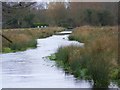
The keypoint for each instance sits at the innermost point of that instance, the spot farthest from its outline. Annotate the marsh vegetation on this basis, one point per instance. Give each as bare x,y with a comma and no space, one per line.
25,38
97,60
95,25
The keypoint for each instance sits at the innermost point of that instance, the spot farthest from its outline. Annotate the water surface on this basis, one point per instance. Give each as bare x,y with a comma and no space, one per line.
30,68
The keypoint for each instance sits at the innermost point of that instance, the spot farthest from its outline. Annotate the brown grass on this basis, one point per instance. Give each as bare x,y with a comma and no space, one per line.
25,38
99,56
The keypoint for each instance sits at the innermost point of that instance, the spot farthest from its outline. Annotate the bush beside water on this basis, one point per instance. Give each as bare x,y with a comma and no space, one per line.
97,60
25,38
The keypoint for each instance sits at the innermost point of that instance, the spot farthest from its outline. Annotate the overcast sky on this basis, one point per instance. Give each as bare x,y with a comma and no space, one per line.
61,0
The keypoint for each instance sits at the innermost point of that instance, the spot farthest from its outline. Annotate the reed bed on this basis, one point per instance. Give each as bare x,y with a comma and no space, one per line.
97,60
25,38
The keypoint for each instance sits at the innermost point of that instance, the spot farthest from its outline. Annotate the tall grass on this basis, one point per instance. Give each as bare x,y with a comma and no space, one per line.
69,58
25,38
102,60
98,59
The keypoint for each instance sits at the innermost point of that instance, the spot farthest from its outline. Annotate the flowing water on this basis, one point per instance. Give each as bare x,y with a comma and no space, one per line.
30,68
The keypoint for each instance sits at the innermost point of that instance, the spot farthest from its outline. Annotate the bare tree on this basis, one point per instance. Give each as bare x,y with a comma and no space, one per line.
57,11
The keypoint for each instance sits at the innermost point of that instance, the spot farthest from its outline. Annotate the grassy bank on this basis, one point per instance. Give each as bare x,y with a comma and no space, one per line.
25,38
97,60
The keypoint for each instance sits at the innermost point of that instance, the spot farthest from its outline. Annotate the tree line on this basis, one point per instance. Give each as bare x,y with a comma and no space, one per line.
65,14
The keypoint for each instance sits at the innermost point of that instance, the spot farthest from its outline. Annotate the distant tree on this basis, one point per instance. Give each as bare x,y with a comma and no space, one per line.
95,13
29,19
13,13
57,12
105,18
66,14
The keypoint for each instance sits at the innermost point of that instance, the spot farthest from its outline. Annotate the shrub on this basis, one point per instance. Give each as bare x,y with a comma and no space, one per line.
97,60
69,58
6,50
